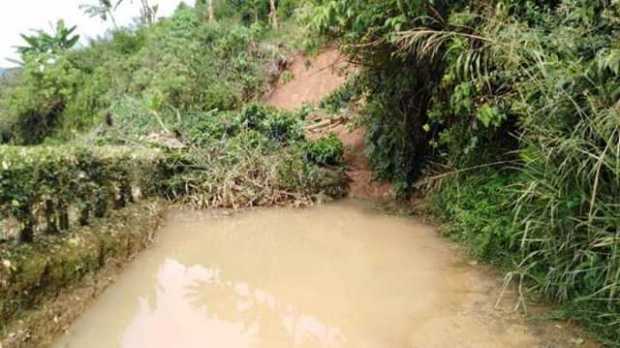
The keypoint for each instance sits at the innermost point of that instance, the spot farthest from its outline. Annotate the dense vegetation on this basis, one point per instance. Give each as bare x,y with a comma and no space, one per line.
177,65
506,111
515,104
39,186
185,84
167,110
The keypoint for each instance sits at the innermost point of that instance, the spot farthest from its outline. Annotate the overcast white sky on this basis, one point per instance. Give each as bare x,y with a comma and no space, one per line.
19,16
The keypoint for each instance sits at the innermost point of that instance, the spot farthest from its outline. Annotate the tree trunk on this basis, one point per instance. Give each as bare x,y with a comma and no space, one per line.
26,235
63,216
148,12
273,14
211,11
51,217
111,16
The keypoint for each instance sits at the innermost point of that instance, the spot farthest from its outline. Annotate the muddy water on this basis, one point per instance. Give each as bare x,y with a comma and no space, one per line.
341,275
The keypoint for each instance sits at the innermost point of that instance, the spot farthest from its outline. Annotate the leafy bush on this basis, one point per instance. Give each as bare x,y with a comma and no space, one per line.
525,85
477,212
282,127
327,151
254,157
341,97
212,126
183,63
39,186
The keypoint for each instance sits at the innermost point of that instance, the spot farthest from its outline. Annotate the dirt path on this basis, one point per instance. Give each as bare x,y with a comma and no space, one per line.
313,80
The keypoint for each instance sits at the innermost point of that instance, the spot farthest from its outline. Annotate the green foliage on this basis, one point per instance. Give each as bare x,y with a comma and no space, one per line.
282,128
36,105
397,102
253,157
341,97
39,186
328,151
104,9
182,63
61,40
278,127
476,211
529,85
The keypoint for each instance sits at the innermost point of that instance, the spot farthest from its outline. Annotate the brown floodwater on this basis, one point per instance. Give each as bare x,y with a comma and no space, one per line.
342,275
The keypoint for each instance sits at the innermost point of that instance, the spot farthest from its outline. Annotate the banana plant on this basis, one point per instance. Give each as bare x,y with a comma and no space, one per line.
62,39
104,9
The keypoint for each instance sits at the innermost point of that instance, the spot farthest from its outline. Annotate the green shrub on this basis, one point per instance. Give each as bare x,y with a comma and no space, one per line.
341,97
327,151
529,87
476,211
212,126
278,126
182,63
283,127
39,186
253,115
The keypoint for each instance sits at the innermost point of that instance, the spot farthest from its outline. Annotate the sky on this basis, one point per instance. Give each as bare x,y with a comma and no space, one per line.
20,16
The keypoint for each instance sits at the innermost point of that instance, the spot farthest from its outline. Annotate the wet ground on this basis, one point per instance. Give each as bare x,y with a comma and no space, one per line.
340,275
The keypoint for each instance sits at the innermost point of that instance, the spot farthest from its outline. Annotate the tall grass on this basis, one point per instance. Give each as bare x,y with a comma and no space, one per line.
532,85
565,200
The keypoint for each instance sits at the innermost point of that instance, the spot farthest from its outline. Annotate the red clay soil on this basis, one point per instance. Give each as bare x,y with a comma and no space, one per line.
362,183
310,84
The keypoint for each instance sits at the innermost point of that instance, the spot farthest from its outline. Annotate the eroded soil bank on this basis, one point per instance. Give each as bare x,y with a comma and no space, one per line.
339,275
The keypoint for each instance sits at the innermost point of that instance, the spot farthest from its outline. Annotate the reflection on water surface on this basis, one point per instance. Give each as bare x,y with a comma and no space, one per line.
336,276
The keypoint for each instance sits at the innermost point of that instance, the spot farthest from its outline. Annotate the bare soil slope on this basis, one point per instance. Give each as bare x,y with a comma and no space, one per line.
313,80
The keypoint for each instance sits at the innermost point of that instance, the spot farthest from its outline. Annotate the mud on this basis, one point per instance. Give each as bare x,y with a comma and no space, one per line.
340,275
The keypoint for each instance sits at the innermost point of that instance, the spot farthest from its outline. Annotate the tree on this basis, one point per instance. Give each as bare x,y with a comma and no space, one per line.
208,4
211,11
63,38
148,12
273,14
104,9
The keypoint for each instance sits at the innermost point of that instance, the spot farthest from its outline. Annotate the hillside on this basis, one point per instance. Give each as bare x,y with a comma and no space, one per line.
497,120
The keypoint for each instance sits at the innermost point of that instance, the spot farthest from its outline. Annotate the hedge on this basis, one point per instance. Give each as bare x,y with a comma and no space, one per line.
44,190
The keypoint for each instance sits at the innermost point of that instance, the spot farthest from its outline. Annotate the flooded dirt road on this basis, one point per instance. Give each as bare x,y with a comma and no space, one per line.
339,275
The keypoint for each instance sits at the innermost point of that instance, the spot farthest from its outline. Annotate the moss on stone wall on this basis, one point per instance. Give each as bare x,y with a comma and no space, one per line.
45,285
